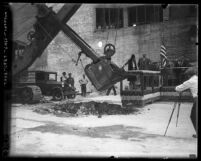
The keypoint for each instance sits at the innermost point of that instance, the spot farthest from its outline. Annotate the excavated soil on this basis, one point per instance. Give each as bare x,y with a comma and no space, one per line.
69,109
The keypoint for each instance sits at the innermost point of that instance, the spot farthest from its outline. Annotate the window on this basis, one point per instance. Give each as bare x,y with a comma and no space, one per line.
132,16
40,76
107,18
18,49
160,14
182,11
149,14
52,76
141,15
192,11
144,14
156,14
100,18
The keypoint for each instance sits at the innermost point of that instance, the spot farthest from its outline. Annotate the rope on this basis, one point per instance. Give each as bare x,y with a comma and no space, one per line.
108,29
107,37
117,26
82,64
115,38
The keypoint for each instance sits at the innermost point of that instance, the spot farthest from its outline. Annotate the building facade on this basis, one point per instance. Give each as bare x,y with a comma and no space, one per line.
133,29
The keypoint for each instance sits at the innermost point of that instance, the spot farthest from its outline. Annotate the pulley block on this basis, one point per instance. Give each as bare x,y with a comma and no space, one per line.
109,50
30,36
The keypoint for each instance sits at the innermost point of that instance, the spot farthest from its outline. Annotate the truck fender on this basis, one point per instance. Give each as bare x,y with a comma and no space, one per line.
57,93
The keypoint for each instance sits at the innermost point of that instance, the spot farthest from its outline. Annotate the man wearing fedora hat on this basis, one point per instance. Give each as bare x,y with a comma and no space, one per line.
192,84
70,81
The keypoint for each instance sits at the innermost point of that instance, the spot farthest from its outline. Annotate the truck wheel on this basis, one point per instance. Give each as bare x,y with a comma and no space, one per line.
73,96
57,94
26,95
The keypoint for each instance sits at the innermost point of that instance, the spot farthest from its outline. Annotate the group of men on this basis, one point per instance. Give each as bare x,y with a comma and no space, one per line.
68,83
143,63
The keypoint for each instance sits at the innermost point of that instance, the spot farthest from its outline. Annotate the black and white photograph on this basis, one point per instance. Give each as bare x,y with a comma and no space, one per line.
106,80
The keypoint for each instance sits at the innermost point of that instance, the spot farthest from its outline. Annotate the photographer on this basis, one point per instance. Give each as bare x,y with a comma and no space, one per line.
192,84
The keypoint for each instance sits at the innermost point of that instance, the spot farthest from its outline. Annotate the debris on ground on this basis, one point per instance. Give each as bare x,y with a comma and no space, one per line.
45,100
69,109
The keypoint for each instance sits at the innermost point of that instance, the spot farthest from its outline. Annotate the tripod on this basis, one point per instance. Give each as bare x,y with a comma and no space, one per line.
179,104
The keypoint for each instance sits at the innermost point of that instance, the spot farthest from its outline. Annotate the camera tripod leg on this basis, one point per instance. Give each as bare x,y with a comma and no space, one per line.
170,117
178,113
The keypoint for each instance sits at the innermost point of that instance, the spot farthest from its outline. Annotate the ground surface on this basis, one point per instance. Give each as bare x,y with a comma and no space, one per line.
140,134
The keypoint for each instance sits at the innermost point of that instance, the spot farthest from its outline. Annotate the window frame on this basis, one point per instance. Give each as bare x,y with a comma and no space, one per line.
54,75
112,18
148,17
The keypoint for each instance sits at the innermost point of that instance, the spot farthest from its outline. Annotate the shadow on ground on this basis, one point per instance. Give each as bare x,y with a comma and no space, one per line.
115,131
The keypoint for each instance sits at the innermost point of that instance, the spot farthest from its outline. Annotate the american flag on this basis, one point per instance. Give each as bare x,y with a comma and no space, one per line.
163,56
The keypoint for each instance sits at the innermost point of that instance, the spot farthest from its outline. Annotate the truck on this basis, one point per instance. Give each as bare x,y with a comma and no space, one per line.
32,84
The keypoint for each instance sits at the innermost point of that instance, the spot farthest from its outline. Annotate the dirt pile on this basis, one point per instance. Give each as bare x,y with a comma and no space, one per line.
85,108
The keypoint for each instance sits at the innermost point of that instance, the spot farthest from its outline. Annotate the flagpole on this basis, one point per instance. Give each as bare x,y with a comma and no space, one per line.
162,43
162,37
